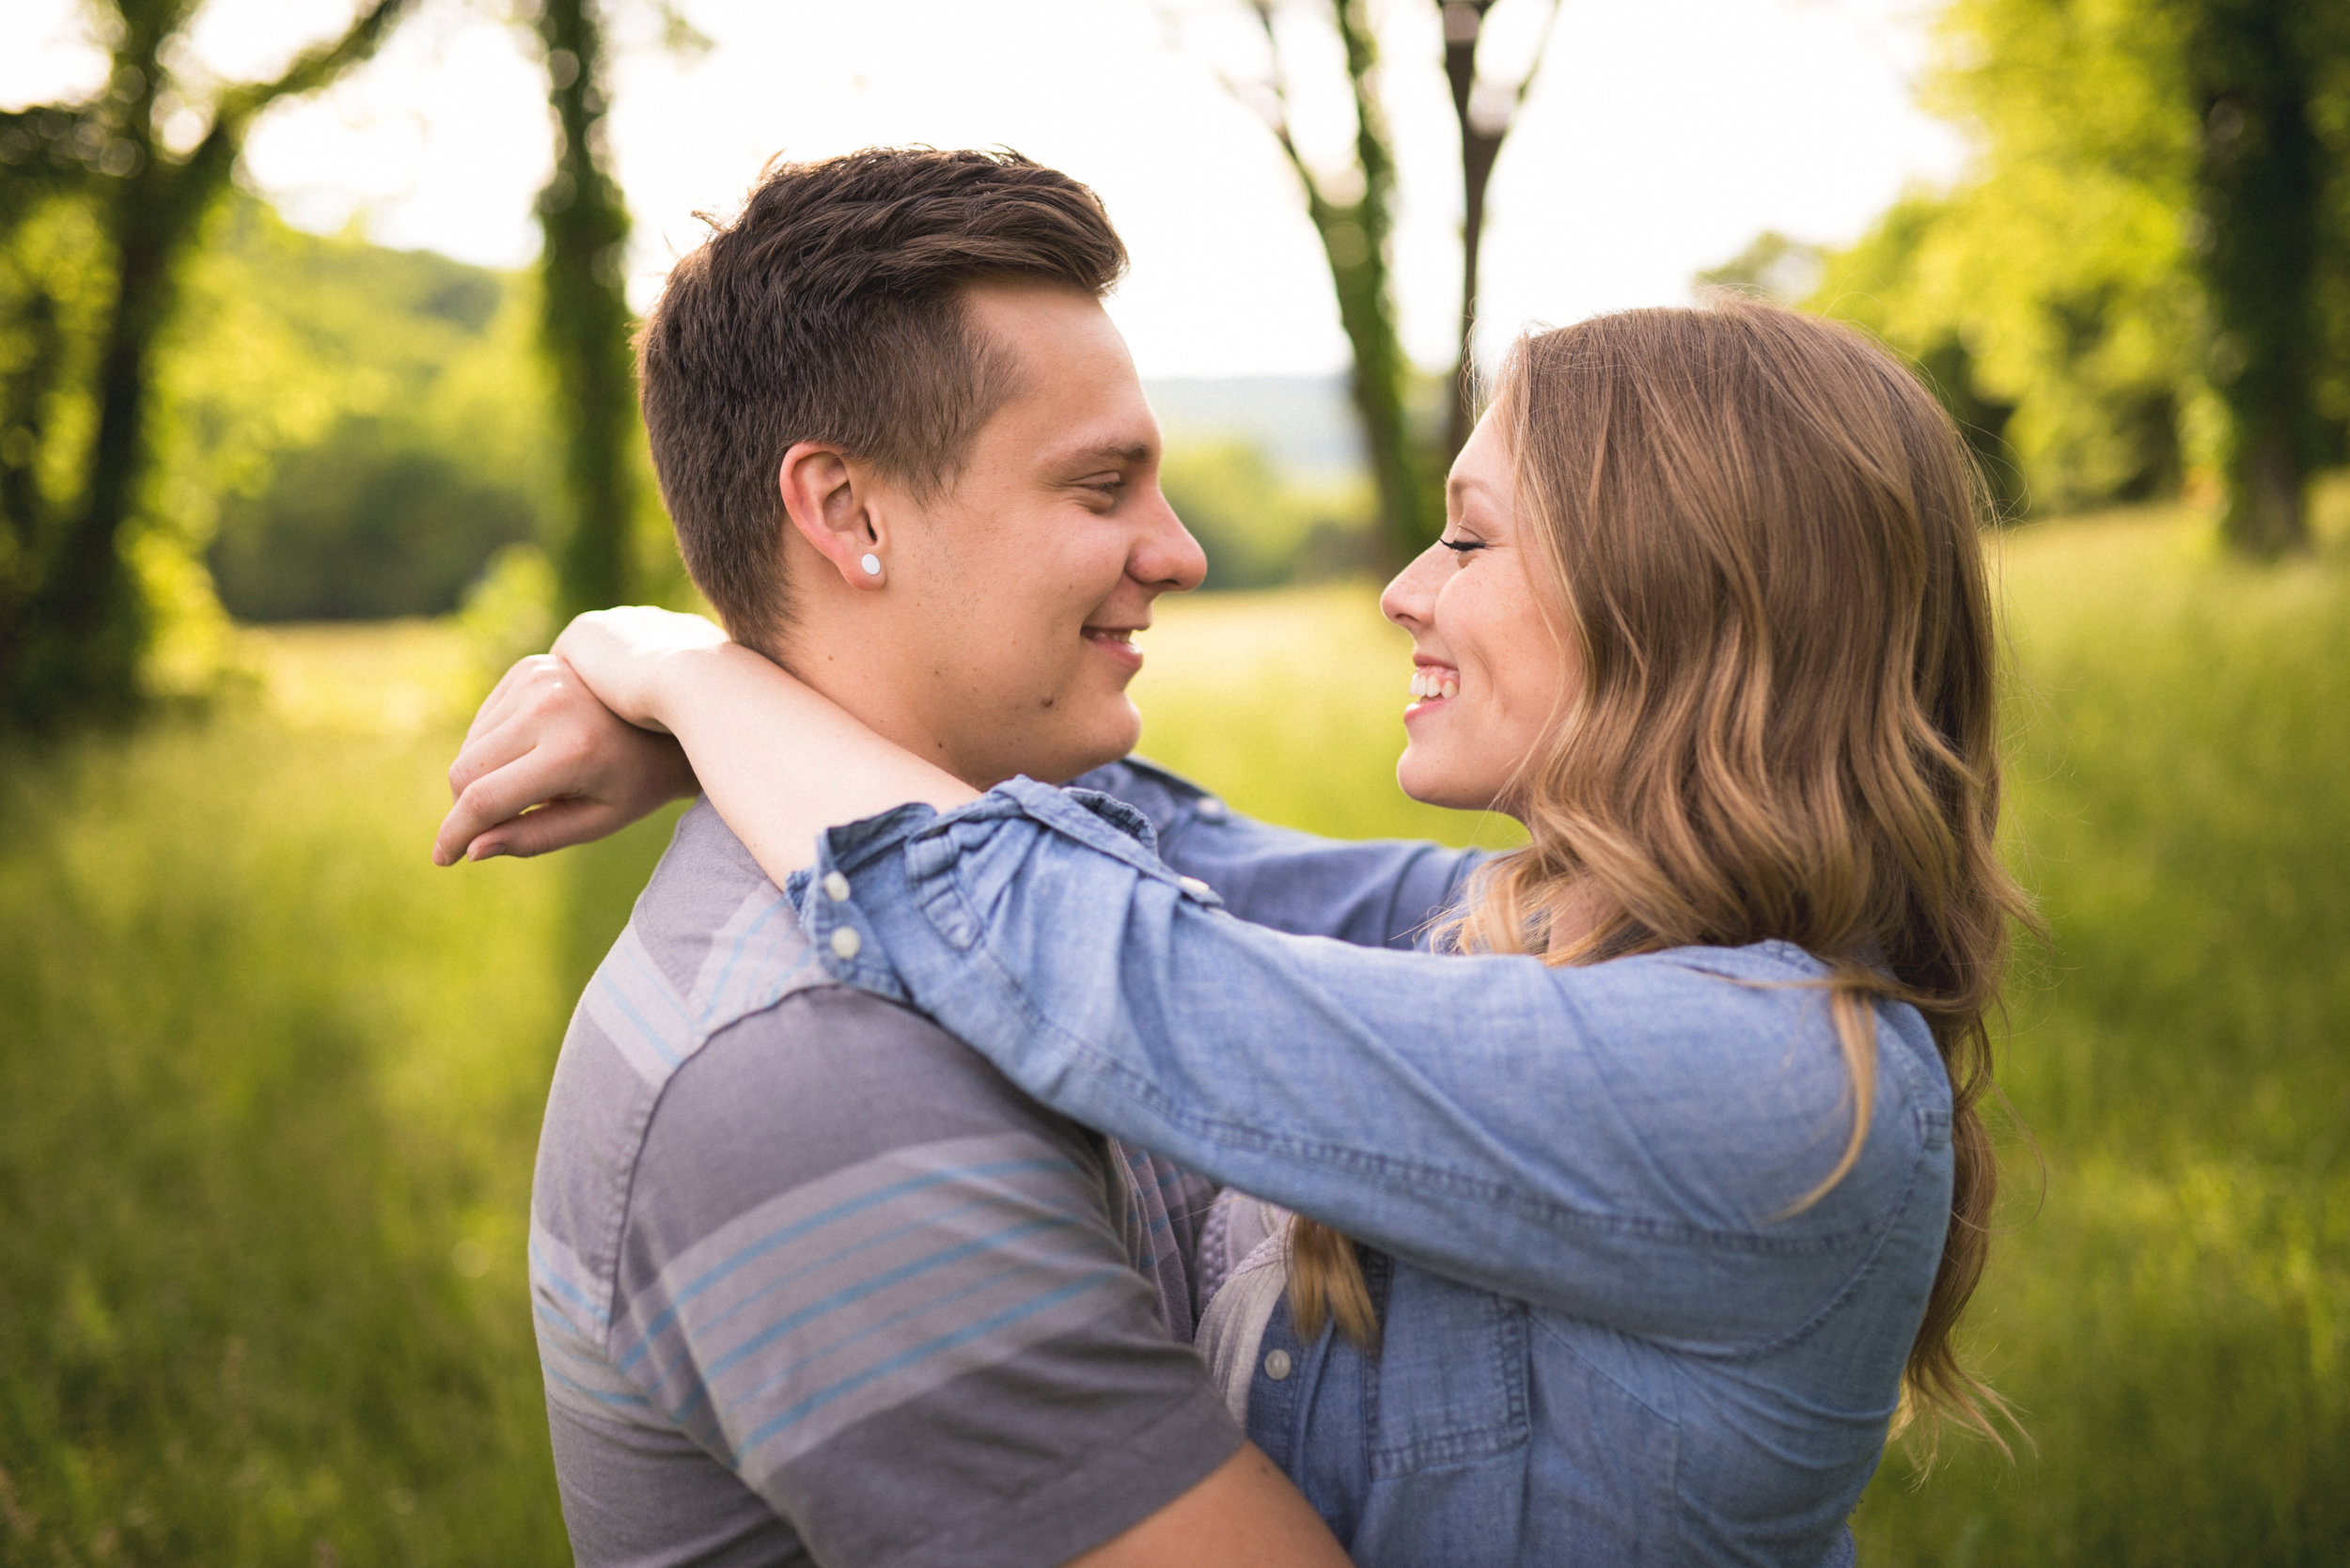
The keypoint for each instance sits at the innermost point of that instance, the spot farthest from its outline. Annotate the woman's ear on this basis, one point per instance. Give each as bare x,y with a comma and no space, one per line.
829,497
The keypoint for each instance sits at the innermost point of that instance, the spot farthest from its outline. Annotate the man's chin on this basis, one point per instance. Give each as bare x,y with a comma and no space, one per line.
1096,745
1068,750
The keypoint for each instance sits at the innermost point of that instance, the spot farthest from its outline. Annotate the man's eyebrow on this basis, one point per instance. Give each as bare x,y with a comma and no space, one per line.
1121,454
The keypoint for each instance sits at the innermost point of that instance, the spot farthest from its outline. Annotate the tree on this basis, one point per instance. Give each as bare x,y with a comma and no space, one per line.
585,324
2254,73
2138,270
73,620
1484,110
1353,212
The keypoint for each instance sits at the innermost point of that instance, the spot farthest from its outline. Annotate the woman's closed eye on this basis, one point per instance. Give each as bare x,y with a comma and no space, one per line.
1463,545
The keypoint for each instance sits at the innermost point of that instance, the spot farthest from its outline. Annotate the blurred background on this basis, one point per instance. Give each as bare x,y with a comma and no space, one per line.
315,411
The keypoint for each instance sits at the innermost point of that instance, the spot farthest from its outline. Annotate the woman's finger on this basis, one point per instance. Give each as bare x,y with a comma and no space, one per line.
516,737
496,706
549,828
495,797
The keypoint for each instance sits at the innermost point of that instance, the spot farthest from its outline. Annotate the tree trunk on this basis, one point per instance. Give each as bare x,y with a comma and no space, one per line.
1376,382
2262,180
1481,149
586,326
75,651
1355,237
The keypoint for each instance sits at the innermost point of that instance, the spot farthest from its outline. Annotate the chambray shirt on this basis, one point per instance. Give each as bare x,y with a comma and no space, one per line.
1605,1338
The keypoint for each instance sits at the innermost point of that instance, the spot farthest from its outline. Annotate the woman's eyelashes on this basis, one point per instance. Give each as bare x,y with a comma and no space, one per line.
1462,545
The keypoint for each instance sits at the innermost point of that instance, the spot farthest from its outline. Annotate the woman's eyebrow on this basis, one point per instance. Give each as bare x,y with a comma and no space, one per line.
1458,487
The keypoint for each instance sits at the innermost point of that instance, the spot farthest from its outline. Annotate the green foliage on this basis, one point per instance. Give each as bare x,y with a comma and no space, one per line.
360,527
2073,298
356,429
92,569
1259,530
52,307
269,1084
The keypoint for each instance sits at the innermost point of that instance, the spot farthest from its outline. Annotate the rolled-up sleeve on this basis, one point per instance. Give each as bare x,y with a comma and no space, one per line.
1621,1141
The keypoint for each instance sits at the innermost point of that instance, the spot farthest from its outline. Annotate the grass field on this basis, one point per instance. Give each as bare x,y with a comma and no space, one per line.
270,1084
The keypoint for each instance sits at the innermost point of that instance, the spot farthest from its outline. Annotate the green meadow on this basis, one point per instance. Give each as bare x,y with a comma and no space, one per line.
270,1083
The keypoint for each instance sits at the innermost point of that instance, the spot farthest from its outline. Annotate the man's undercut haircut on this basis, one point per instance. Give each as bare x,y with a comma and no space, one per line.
831,309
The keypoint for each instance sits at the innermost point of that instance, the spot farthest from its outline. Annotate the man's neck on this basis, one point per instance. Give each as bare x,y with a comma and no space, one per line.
857,674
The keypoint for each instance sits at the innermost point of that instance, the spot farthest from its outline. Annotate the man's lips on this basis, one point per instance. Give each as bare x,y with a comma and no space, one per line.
1117,642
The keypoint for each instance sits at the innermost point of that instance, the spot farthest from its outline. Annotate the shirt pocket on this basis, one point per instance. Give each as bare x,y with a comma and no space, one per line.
1449,1383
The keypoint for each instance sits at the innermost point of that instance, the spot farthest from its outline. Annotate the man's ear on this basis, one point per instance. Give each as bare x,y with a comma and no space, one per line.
830,498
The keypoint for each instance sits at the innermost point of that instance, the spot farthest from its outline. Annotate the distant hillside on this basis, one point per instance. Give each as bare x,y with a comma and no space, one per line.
1302,423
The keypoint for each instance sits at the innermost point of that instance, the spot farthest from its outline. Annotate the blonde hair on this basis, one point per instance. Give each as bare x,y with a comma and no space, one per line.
1757,536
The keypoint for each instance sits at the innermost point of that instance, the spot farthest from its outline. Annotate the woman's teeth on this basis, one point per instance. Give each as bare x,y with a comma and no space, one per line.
1427,683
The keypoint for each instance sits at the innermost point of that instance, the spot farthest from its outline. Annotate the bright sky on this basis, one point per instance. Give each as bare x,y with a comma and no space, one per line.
1661,136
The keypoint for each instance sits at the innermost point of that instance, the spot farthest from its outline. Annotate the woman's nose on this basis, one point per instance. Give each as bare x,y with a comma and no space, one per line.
1410,599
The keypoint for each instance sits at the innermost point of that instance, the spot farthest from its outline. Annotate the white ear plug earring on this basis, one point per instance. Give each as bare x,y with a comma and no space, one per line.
871,564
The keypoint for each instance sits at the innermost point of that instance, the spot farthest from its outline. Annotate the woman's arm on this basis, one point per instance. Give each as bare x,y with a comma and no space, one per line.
780,762
1620,1142
555,768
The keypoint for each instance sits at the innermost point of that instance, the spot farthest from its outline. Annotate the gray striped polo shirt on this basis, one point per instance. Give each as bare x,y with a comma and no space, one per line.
814,1283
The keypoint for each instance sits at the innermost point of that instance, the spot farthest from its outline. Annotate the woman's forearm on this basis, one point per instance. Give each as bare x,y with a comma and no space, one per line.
781,762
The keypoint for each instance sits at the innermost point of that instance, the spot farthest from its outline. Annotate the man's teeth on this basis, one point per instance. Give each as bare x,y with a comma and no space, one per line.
1428,684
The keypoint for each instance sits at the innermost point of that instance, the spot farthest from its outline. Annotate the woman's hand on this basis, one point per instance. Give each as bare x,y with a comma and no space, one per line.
546,765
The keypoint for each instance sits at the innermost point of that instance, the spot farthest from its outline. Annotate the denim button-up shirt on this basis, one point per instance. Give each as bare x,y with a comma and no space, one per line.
1605,1338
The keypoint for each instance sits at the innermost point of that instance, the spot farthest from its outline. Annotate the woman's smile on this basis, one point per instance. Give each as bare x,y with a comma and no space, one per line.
1431,682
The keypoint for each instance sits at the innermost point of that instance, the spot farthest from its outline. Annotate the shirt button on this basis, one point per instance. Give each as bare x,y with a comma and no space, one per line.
1277,1365
1211,808
1193,885
835,887
845,942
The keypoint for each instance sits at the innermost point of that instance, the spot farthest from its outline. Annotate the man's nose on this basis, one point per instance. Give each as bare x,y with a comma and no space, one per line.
1409,600
1166,557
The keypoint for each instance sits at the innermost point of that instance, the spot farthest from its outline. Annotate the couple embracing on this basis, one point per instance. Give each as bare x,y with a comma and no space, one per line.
984,1148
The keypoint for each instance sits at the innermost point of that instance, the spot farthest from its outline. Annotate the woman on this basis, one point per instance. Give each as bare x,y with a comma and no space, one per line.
1666,1176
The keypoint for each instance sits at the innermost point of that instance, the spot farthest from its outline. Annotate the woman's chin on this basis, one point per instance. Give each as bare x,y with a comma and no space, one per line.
1431,784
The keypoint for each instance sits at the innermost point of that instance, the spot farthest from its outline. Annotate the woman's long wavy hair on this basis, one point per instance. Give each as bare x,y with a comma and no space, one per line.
1757,537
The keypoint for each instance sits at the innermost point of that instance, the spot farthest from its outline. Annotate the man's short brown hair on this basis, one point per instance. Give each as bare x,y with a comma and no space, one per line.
830,311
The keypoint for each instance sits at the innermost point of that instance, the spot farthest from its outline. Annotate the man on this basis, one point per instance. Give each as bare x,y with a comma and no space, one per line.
813,1283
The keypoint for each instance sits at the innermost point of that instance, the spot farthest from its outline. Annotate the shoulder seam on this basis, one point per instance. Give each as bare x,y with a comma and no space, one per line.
644,1135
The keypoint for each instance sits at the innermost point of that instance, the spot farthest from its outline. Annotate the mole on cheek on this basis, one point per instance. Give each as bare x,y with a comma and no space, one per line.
1046,703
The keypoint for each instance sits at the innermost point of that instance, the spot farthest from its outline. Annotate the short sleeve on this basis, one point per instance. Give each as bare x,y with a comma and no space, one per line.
889,1293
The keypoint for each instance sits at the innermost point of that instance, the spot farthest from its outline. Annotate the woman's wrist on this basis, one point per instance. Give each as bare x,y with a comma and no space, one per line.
664,699
639,661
